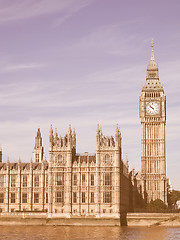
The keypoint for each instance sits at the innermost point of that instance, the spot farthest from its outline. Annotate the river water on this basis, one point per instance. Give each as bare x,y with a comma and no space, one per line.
88,233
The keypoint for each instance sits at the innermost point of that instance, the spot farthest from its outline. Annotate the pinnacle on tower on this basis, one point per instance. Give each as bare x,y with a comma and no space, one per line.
117,136
152,69
152,63
38,139
69,130
51,134
38,149
74,133
98,130
51,130
127,161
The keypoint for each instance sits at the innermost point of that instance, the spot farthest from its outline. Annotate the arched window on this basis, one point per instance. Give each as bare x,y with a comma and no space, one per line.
60,158
107,157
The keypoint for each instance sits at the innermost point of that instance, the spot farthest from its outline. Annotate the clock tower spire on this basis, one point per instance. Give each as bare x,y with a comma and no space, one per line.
152,110
152,60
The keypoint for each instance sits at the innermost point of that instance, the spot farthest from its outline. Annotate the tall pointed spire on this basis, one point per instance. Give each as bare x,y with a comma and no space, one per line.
152,63
152,50
152,72
38,149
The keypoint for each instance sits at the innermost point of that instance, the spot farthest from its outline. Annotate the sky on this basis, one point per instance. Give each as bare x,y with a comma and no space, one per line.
82,63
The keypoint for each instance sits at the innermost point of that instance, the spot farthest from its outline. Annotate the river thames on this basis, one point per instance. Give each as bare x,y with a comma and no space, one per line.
88,233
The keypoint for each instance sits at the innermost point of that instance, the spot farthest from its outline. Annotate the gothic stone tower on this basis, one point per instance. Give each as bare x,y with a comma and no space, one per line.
152,109
61,154
38,149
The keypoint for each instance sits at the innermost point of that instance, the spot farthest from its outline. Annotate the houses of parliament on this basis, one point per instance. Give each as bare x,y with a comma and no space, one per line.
100,185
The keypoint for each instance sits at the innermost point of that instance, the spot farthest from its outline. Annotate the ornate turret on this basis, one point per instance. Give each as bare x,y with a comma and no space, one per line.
97,137
57,142
74,138
70,136
106,141
152,74
38,149
117,137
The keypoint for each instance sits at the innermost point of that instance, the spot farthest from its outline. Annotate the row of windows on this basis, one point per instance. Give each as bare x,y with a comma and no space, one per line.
60,158
152,94
60,179
106,197
83,197
107,180
83,178
24,198
24,181
59,197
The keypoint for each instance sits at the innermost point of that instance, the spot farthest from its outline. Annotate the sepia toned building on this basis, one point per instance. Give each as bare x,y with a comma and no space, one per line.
152,109
100,185
69,184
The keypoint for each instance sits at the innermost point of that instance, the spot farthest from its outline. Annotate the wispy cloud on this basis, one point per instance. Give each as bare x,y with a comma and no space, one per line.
16,67
23,9
71,11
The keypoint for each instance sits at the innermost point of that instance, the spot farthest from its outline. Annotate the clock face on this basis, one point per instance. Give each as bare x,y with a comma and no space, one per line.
152,108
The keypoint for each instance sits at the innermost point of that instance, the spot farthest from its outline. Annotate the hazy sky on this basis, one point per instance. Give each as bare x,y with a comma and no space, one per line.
84,62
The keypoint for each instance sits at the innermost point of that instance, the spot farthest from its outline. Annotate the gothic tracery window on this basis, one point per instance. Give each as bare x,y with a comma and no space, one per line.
24,198
107,197
36,181
59,179
59,197
83,197
75,179
60,158
36,197
83,179
1,197
107,179
13,180
13,197
24,180
92,197
107,158
74,197
92,179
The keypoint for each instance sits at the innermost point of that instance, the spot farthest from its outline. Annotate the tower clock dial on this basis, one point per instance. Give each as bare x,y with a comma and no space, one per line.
152,108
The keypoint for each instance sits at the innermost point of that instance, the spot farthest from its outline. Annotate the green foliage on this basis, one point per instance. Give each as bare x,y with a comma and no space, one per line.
156,206
173,197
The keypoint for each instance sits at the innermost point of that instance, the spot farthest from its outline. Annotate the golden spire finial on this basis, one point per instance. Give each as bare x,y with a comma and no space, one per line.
152,50
152,43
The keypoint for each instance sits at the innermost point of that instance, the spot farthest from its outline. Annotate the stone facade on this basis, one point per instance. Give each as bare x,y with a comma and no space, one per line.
69,184
99,185
152,108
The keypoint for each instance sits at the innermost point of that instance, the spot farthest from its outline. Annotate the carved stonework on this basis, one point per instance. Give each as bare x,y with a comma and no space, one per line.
152,107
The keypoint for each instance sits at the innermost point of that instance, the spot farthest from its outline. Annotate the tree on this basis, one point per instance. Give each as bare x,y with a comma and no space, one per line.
173,197
156,206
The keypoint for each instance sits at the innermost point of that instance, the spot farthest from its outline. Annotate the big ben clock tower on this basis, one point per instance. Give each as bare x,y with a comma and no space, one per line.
152,109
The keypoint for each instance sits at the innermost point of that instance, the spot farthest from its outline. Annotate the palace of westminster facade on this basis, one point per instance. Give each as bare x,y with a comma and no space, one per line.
98,185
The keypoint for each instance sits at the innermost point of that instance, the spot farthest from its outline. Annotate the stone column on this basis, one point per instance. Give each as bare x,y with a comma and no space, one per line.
68,184
98,180
6,197
31,185
117,183
50,186
19,185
